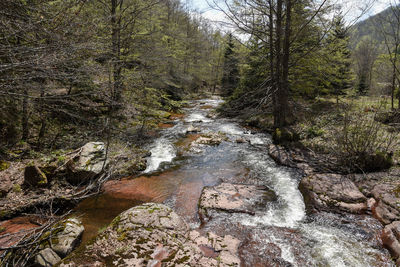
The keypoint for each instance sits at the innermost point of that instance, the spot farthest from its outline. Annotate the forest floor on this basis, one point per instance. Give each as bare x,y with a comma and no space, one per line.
56,194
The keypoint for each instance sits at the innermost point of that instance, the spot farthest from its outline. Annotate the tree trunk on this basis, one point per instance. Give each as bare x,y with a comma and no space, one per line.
116,64
278,67
25,116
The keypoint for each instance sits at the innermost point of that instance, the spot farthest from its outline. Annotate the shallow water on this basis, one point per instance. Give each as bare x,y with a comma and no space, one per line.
176,176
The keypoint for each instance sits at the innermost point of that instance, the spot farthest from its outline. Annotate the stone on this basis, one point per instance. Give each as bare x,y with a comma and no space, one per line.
33,176
280,155
238,198
192,129
391,237
387,206
330,192
67,239
89,161
154,235
241,140
15,229
47,258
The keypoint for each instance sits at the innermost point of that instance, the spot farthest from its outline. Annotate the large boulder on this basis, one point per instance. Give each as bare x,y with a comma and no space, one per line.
89,161
387,206
67,237
391,239
331,192
154,235
47,258
34,176
238,198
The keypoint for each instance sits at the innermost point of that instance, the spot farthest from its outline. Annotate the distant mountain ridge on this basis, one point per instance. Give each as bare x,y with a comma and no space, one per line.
372,27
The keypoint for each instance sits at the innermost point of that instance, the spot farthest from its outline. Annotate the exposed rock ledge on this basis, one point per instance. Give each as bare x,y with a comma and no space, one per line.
154,235
239,198
332,192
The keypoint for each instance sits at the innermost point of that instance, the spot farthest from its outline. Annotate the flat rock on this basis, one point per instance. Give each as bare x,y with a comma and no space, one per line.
154,235
332,192
387,206
239,198
47,258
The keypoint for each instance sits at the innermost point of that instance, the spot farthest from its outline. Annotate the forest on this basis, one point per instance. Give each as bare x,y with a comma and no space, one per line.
146,133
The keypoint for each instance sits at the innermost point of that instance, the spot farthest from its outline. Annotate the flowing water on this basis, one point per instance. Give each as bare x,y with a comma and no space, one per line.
176,176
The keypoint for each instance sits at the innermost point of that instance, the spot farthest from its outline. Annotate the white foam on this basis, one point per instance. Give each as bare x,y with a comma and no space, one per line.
162,151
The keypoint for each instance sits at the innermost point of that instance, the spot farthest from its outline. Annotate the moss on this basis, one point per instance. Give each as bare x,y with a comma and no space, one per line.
122,237
4,213
285,135
4,165
17,188
116,221
2,229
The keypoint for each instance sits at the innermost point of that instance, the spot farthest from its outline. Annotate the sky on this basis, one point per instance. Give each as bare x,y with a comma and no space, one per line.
353,8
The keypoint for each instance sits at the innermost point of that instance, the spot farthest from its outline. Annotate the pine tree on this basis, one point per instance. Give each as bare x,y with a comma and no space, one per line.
230,77
339,57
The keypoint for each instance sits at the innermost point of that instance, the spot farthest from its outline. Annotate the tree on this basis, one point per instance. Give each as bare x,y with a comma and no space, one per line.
230,76
365,56
339,56
389,27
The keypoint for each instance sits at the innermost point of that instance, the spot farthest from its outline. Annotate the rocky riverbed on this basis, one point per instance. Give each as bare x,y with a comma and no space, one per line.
218,194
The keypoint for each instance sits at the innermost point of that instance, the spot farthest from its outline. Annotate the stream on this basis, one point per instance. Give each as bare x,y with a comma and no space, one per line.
281,234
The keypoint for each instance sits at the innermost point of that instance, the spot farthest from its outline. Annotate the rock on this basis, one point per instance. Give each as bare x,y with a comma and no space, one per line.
87,163
387,195
13,230
192,129
234,198
33,176
331,192
241,140
154,235
212,139
391,237
280,155
67,239
47,258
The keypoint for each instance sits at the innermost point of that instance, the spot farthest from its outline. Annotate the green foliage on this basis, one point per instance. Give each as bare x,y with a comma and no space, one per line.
230,76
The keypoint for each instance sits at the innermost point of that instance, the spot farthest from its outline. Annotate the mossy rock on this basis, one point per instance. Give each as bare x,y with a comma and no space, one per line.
34,176
285,135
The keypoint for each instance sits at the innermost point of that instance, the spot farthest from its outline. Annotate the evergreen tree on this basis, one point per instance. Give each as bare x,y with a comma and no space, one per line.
230,77
338,53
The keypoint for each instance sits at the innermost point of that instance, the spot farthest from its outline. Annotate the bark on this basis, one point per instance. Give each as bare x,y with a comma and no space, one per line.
25,115
116,51
278,67
281,105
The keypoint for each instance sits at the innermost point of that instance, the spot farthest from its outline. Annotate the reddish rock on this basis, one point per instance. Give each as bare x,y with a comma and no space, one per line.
234,198
154,235
280,155
332,192
12,231
387,208
391,237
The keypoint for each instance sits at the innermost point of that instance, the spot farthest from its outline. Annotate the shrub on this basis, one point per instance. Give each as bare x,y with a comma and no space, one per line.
363,144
